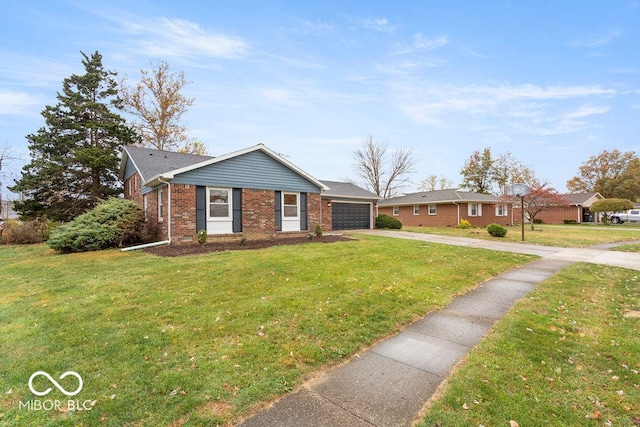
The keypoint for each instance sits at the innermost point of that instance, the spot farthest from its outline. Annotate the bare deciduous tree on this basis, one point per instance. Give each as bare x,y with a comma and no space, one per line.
158,105
382,175
435,182
5,154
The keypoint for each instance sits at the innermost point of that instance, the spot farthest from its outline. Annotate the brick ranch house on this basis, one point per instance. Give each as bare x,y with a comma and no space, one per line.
576,209
254,192
446,208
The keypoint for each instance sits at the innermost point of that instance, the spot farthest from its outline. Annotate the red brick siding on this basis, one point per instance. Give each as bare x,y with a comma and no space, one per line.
327,212
314,214
133,191
183,213
258,213
556,215
446,215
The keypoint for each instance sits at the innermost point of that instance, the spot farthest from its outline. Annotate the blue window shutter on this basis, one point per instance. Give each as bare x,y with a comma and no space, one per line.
237,210
303,211
201,208
278,210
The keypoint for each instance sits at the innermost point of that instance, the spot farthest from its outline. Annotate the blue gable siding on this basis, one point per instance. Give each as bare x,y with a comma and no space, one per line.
251,170
129,169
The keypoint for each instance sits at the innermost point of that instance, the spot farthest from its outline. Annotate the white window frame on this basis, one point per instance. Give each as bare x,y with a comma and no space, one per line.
432,209
160,205
145,205
229,204
475,209
501,210
396,210
416,209
284,206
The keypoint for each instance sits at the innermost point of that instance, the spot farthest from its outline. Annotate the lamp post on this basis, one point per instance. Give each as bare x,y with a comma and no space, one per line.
519,190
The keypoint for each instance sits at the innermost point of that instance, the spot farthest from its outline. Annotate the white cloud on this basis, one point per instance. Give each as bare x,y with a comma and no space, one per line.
564,127
16,103
521,104
279,96
164,37
307,28
584,111
378,24
596,41
421,43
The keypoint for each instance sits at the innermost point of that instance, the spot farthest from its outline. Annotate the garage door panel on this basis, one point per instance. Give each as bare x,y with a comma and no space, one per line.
351,216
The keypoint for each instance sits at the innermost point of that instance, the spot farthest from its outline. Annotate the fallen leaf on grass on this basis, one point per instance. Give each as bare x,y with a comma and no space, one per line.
595,415
514,423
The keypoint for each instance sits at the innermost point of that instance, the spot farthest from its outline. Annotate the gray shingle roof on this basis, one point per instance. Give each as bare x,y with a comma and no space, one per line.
438,196
151,163
346,189
579,198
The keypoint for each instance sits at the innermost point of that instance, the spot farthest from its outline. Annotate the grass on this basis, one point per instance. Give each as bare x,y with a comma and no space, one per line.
204,340
571,236
566,355
628,248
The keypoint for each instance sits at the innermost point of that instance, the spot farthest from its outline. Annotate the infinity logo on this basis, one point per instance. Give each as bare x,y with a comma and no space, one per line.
55,383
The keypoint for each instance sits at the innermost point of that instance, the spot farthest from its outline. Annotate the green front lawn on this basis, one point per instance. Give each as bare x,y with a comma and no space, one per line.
204,340
569,236
566,355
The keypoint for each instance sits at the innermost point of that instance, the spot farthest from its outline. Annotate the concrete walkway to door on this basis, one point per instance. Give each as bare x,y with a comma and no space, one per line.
389,384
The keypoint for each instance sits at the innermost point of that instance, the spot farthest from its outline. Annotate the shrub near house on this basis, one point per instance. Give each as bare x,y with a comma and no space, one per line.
110,224
385,221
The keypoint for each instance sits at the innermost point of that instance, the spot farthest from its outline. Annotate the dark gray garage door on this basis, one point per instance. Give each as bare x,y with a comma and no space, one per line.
350,216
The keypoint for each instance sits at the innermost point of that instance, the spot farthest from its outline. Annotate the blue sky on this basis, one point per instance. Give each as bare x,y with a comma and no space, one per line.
551,82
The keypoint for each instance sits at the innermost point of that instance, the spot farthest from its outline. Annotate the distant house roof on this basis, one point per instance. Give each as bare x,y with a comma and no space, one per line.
347,190
582,199
439,196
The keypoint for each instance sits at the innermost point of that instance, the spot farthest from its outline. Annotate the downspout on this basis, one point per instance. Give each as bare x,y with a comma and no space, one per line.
168,207
146,245
321,206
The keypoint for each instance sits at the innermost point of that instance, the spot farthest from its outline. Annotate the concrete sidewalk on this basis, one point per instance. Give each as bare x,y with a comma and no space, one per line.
389,384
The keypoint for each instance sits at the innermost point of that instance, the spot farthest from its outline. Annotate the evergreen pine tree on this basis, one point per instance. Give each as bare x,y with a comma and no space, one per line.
75,156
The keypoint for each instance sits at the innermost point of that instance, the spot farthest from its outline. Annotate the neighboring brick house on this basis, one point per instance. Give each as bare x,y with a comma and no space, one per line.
576,209
254,192
446,208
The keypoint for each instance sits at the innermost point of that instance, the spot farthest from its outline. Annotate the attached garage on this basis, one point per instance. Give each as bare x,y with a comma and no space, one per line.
351,216
348,207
